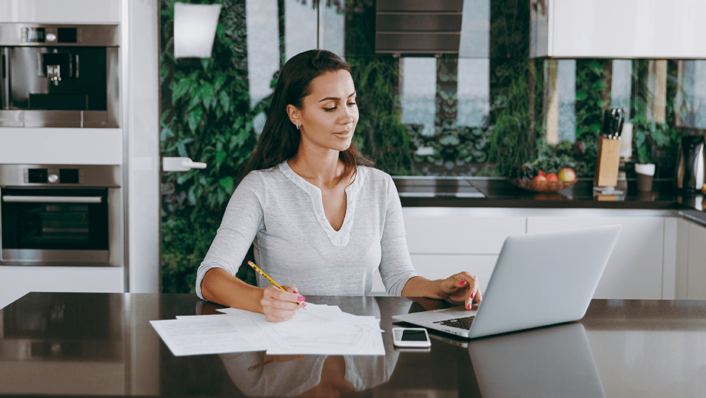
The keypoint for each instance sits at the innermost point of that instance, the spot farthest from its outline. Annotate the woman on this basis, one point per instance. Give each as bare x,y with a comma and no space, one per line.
319,216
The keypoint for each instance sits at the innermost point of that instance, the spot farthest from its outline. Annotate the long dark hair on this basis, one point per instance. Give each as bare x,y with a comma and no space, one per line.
280,139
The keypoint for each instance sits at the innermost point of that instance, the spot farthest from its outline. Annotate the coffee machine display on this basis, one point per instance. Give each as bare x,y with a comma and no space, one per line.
59,75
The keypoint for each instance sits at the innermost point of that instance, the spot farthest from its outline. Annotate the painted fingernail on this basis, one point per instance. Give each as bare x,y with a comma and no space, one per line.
462,283
468,306
472,295
301,298
295,292
303,304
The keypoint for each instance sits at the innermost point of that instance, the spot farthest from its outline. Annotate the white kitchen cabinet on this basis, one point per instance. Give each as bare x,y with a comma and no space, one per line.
458,231
657,256
634,270
445,241
696,269
18,281
653,29
681,260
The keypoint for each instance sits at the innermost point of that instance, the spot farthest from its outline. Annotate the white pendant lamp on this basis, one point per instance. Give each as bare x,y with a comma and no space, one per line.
195,29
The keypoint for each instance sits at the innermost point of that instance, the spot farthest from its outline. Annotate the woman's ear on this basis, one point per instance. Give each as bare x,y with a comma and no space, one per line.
293,114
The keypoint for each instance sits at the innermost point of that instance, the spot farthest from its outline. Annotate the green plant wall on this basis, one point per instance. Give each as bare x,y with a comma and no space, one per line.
206,116
380,133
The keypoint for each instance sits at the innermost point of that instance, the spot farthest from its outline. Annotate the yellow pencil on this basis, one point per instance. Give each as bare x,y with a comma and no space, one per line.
256,268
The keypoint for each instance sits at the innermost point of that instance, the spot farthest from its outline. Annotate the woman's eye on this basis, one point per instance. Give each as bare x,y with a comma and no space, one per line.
335,107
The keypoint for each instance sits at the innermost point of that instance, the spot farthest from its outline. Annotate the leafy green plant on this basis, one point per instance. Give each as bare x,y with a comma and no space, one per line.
380,133
592,96
514,87
512,129
552,158
655,142
206,116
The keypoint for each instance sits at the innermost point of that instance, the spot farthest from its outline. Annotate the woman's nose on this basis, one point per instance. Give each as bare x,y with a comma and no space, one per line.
348,116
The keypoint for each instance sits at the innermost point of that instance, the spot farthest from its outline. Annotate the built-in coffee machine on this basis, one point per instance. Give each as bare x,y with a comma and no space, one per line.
59,75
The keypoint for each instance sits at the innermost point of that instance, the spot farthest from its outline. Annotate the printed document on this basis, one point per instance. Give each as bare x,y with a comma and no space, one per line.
320,330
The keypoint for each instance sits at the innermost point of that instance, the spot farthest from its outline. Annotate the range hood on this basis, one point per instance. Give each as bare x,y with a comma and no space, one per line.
418,27
654,29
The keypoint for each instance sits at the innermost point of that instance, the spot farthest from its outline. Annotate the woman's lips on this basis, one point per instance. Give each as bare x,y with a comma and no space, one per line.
344,134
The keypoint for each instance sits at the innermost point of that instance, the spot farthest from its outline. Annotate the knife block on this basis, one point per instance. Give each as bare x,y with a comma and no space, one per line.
607,163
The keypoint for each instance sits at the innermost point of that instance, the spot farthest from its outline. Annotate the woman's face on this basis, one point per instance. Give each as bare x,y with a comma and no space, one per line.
329,114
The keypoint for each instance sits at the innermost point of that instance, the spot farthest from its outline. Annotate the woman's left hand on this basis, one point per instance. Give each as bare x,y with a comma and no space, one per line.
462,287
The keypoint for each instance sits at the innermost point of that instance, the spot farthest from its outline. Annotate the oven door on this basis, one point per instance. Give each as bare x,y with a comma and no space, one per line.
55,226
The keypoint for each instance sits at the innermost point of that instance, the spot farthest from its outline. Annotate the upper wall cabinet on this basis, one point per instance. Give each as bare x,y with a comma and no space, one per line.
61,11
657,29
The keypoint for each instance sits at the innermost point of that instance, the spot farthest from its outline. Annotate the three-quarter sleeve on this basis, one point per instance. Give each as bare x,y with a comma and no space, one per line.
395,265
242,220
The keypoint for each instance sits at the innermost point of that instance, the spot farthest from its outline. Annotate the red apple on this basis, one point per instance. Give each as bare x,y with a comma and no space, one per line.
539,178
567,174
552,177
541,173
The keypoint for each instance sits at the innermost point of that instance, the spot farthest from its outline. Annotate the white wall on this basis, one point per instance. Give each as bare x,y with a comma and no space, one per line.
60,11
140,94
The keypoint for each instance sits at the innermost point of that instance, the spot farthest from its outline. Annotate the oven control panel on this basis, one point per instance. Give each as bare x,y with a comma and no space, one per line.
44,175
54,176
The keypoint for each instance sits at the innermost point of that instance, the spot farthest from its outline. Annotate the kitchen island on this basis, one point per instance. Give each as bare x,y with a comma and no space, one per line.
101,344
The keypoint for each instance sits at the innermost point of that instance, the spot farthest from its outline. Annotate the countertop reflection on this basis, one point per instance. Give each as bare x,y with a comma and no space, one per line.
102,344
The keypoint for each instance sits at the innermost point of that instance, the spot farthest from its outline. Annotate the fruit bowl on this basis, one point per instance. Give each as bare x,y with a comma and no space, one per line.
541,186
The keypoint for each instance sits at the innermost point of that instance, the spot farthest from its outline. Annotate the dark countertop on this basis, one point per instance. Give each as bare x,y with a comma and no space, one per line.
98,344
499,193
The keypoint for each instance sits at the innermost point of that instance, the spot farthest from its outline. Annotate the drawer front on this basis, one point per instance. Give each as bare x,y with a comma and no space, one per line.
458,234
696,289
634,270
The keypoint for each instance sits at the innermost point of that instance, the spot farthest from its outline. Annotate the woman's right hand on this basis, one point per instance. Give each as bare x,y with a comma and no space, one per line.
279,306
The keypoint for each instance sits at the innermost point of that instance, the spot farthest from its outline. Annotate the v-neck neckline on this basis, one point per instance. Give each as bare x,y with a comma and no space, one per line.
342,236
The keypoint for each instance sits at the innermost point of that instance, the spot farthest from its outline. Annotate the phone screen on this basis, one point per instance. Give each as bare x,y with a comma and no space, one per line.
414,335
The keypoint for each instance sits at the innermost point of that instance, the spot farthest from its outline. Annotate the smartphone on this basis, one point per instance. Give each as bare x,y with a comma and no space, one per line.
410,337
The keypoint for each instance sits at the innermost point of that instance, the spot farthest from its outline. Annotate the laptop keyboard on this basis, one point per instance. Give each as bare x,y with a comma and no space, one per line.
461,323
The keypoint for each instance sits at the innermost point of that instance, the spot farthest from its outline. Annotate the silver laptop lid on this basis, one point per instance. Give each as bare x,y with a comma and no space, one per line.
544,279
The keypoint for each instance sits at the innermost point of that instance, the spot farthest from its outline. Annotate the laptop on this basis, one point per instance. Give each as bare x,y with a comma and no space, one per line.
539,280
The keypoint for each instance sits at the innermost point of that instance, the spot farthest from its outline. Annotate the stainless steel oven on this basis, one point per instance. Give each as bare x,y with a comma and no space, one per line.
60,215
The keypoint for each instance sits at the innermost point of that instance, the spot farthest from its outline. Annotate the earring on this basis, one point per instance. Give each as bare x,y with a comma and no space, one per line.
297,126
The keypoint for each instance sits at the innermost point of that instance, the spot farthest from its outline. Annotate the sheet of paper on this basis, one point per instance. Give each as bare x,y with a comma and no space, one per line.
211,335
341,338
249,330
320,330
313,316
